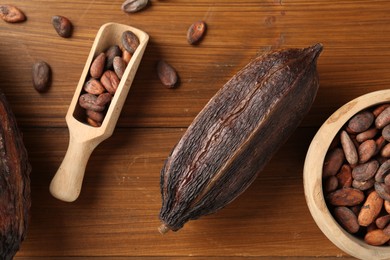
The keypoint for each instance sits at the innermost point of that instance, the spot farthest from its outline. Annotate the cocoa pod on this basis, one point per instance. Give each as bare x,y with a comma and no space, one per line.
15,197
376,237
370,209
347,219
366,135
11,14
361,121
62,25
97,66
236,134
345,197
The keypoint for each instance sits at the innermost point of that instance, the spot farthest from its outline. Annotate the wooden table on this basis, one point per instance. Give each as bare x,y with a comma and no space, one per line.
116,215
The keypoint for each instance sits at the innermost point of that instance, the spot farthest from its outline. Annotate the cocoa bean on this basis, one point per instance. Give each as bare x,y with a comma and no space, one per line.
382,221
349,148
333,161
103,99
126,56
345,197
11,14
370,209
385,152
367,150
344,176
383,170
379,109
133,6
88,101
93,86
97,67
41,76
386,205
331,184
361,121
110,81
386,133
383,118
363,185
382,190
365,171
167,74
130,41
111,53
376,237
119,66
387,180
196,32
93,123
94,115
366,135
62,25
347,219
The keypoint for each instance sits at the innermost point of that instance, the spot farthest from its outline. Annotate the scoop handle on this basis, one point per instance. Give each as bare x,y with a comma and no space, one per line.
66,183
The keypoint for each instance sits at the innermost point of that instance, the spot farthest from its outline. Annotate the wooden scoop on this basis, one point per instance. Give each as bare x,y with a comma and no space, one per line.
66,184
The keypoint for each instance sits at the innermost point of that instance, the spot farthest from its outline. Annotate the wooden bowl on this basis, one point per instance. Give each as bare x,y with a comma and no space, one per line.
312,179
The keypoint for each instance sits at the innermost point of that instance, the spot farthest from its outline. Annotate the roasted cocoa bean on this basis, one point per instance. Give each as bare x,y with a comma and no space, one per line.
41,76
97,67
196,32
103,99
347,219
110,81
93,86
361,121
366,150
88,101
345,197
167,74
119,66
365,171
62,25
333,161
370,209
349,148
383,119
133,6
11,14
363,185
111,53
376,237
366,135
130,41
344,176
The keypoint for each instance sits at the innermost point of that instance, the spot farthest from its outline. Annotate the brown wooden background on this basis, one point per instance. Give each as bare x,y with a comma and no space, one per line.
116,216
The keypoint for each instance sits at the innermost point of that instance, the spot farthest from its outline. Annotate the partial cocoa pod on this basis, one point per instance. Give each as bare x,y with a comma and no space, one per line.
383,118
97,67
233,137
41,76
196,32
361,121
133,6
344,176
366,150
110,81
62,25
88,102
167,74
93,86
130,41
11,14
345,197
370,209
376,237
365,171
349,148
347,219
15,197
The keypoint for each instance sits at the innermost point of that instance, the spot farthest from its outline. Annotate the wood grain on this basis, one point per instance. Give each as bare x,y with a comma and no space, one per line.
116,214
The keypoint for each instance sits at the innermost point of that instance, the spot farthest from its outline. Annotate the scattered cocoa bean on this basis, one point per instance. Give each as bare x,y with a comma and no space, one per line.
168,75
62,25
130,41
370,209
97,66
133,6
41,76
346,218
11,14
196,32
349,148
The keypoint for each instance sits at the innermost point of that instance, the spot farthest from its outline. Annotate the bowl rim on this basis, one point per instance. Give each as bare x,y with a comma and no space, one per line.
312,178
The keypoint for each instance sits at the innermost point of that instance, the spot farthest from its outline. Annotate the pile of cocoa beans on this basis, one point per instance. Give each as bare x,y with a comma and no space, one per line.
104,77
356,179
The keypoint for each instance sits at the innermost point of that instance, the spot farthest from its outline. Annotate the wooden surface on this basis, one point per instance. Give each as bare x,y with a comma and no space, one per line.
116,215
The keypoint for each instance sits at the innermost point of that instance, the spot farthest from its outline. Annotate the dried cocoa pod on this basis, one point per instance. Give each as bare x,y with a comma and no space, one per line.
236,134
15,198
346,218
